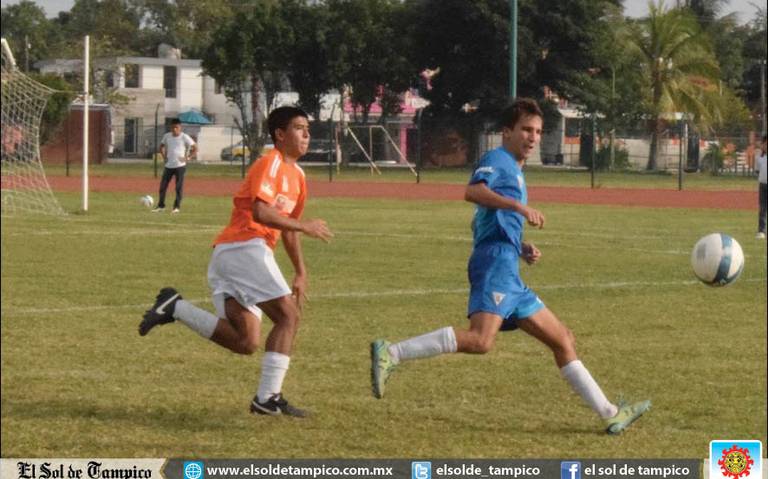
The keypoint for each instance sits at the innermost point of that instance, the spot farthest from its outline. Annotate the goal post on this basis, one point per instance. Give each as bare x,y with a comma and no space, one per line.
24,185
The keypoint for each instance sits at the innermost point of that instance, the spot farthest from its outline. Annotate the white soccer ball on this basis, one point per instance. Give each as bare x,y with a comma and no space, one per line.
147,201
717,259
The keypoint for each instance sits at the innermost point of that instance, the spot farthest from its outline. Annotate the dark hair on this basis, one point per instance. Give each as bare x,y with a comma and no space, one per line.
520,107
175,121
281,117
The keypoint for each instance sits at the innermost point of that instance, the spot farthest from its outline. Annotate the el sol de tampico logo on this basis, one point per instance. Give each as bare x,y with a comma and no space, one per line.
735,459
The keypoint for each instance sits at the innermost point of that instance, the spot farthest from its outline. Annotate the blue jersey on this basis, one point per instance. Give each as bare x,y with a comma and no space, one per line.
494,278
499,170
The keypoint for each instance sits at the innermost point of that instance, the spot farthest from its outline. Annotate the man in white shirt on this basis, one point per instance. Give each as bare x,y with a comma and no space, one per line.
176,147
761,178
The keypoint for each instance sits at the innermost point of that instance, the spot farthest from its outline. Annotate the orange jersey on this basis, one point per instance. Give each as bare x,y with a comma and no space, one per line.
273,181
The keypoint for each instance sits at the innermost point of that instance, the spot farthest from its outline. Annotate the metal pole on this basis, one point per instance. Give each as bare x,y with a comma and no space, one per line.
762,93
418,145
331,148
154,153
86,74
613,118
592,152
683,129
26,53
513,48
66,132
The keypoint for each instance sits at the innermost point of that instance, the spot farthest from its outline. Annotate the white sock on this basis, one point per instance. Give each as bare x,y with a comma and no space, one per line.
273,369
586,387
197,319
441,341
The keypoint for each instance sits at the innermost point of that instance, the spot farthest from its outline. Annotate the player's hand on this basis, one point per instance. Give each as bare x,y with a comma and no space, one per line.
299,290
531,254
317,229
535,217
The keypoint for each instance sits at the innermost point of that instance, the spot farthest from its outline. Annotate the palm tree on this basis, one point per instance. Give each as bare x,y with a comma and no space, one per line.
679,66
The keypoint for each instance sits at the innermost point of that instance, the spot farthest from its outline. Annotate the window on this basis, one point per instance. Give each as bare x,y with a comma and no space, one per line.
216,87
131,136
131,75
169,81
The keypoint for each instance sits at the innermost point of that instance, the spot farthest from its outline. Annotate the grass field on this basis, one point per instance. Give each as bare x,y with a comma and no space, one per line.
78,381
538,176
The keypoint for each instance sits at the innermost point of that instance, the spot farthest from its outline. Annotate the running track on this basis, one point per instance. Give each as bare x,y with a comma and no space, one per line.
655,198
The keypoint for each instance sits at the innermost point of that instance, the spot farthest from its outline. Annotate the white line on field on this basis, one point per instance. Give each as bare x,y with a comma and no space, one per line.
372,294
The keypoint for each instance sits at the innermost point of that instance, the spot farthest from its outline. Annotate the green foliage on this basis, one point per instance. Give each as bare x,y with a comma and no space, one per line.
57,108
713,159
619,278
26,22
603,158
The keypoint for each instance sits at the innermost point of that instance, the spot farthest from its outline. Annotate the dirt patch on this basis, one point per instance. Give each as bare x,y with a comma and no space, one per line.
735,200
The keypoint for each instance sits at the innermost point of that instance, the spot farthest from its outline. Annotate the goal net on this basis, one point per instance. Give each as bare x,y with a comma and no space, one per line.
24,186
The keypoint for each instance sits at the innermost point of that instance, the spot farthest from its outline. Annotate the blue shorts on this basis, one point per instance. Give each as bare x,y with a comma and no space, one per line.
496,287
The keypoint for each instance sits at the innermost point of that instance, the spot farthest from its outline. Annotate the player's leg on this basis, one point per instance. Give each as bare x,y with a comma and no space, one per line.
269,399
164,181
547,328
763,210
180,174
478,339
233,327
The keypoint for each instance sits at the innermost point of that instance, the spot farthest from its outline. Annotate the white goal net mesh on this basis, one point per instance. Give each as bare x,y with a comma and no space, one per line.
24,186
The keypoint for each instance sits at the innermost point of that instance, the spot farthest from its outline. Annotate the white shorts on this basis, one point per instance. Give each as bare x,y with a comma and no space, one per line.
247,272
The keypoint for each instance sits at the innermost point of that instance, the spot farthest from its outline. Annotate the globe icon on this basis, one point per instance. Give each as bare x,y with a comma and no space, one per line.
193,470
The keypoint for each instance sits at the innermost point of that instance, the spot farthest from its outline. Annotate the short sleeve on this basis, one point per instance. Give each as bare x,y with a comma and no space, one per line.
262,179
188,140
486,172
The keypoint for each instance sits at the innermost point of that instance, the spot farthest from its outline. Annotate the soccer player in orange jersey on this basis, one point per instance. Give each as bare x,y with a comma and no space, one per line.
243,276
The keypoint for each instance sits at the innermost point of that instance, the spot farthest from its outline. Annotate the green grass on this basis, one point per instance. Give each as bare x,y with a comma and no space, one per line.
537,176
78,381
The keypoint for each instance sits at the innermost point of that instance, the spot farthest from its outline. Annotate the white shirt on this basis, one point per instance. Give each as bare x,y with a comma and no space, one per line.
176,148
761,168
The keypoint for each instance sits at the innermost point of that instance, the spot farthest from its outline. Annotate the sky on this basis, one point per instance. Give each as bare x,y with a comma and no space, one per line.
634,8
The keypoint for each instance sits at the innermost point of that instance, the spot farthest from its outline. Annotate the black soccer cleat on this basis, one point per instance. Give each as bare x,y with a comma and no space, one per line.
161,312
276,406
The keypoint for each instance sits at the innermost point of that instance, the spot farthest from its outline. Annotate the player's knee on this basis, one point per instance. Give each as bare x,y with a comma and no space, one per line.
567,342
247,347
484,344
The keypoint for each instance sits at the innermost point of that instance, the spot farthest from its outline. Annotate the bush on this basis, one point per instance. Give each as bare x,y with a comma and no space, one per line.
713,159
603,158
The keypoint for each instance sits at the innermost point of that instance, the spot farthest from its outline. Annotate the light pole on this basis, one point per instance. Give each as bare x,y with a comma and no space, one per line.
512,49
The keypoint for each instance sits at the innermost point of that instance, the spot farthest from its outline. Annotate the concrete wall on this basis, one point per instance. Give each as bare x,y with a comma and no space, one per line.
216,104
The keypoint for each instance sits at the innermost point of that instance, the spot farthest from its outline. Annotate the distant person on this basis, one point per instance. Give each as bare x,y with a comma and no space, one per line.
177,148
243,276
761,174
498,298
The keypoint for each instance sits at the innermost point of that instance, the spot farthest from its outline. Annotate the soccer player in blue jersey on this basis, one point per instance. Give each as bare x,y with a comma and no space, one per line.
498,298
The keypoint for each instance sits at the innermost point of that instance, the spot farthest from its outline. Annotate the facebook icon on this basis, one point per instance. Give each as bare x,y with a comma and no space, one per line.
421,470
570,470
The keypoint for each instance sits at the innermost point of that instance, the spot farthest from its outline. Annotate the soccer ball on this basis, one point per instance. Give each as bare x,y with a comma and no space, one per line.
717,259
147,201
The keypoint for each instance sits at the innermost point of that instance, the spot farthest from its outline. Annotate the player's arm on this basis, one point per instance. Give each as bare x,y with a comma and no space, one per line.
162,150
271,217
292,245
479,194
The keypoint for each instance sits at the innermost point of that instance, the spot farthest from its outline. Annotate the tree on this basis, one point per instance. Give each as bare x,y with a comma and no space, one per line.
308,66
366,43
679,67
248,59
185,24
27,30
